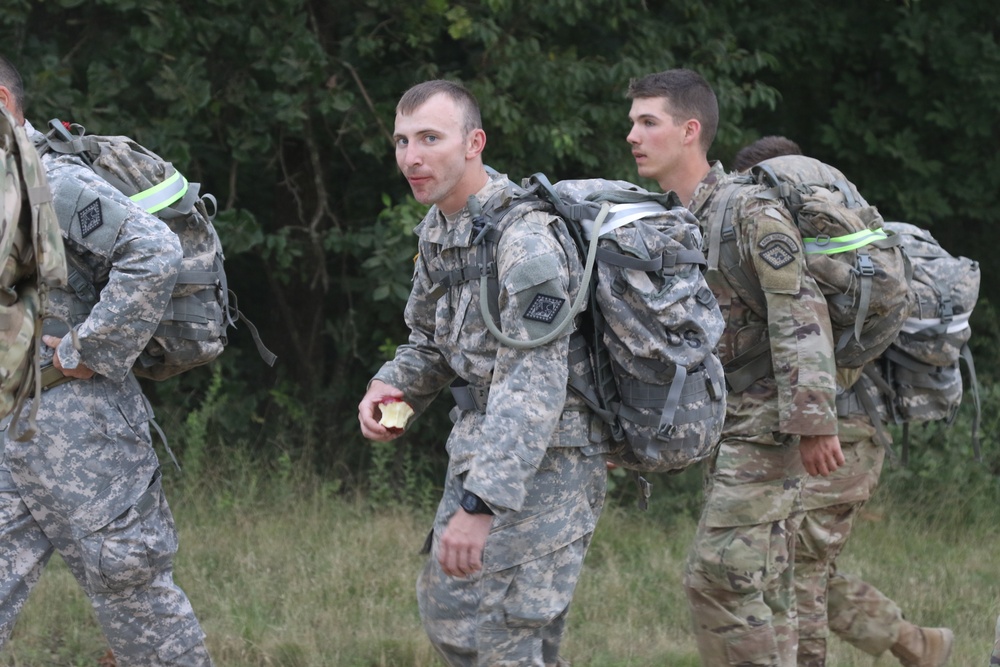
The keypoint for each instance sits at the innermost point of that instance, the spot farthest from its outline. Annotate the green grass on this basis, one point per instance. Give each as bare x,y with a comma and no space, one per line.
288,574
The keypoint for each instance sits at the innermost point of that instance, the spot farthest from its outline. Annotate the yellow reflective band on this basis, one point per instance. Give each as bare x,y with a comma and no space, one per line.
162,195
831,246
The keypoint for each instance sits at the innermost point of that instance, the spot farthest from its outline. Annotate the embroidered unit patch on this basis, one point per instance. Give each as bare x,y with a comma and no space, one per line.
544,308
90,217
778,249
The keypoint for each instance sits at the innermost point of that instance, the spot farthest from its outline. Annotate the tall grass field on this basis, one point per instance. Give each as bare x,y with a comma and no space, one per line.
286,573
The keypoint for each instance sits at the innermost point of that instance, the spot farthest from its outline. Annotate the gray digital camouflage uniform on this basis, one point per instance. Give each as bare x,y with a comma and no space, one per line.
995,658
738,577
88,483
530,454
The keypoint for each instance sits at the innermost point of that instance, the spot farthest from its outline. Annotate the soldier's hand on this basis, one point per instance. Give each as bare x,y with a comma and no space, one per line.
462,543
369,411
81,372
821,454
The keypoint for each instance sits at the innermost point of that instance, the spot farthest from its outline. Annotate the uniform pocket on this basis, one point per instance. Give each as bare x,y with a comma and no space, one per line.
132,548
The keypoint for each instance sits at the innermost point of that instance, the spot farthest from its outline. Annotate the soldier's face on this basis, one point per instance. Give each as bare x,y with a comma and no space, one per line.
434,154
657,140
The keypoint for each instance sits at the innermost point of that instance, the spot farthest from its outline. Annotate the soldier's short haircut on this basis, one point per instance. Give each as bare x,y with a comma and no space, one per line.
764,149
420,93
11,79
687,95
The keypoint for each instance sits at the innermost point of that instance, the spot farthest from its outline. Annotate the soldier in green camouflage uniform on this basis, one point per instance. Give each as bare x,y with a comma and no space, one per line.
739,576
526,481
827,599
87,484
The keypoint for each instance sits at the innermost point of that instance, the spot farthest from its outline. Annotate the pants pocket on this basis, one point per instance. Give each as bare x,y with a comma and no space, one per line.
131,549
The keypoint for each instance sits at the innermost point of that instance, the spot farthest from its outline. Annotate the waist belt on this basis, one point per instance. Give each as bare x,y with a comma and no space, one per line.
470,397
53,377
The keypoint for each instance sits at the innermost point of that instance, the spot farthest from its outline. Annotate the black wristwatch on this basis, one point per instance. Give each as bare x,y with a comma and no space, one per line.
473,504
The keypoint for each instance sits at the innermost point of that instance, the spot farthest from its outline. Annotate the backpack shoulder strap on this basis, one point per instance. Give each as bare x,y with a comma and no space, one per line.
723,252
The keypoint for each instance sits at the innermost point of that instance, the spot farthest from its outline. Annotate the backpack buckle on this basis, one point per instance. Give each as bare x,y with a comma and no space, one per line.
865,265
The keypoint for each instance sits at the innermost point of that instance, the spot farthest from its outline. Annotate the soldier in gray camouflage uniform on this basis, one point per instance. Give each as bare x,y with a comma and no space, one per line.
827,599
995,658
87,484
526,481
738,576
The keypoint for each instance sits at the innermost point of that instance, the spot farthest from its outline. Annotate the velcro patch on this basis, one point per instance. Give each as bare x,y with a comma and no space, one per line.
778,249
90,217
544,308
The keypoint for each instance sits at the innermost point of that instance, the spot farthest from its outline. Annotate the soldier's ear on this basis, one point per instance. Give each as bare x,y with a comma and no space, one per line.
8,100
475,143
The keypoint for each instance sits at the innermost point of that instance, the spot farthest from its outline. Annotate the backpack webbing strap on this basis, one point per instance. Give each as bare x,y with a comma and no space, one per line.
665,263
589,386
857,400
966,355
723,253
751,365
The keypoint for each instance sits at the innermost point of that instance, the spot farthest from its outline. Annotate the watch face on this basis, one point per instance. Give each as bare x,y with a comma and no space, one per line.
474,505
470,503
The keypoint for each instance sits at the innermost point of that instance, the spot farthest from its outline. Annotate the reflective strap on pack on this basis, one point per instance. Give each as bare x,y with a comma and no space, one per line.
935,326
619,215
162,195
826,245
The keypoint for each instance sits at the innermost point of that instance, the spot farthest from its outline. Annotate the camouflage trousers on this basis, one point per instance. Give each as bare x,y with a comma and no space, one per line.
995,658
125,569
513,613
854,610
738,576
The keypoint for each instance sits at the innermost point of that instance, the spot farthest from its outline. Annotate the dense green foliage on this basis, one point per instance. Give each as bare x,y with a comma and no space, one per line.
284,110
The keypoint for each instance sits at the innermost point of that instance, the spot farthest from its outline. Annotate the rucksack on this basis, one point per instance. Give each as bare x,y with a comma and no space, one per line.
921,366
32,261
856,262
193,328
644,358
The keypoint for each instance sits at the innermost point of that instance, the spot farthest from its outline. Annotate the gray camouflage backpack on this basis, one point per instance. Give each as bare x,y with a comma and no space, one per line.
644,357
921,366
32,261
858,265
193,329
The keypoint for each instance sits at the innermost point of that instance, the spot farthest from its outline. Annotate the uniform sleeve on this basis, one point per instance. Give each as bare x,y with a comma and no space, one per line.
802,346
144,258
528,391
419,369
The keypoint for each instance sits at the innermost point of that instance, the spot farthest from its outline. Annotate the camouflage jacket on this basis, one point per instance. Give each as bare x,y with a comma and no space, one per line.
92,457
499,450
799,399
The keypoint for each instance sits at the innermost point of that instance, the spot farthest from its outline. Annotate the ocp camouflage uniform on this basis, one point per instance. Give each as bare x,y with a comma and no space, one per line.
828,600
88,483
533,454
738,576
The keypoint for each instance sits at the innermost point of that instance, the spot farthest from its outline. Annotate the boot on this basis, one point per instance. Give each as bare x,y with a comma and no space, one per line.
922,647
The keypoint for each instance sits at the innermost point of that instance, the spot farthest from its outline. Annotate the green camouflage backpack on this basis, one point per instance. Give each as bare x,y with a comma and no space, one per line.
858,265
644,357
33,261
921,366
193,329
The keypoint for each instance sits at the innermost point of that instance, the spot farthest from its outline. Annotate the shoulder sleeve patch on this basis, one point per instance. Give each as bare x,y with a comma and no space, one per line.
777,256
778,249
544,308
